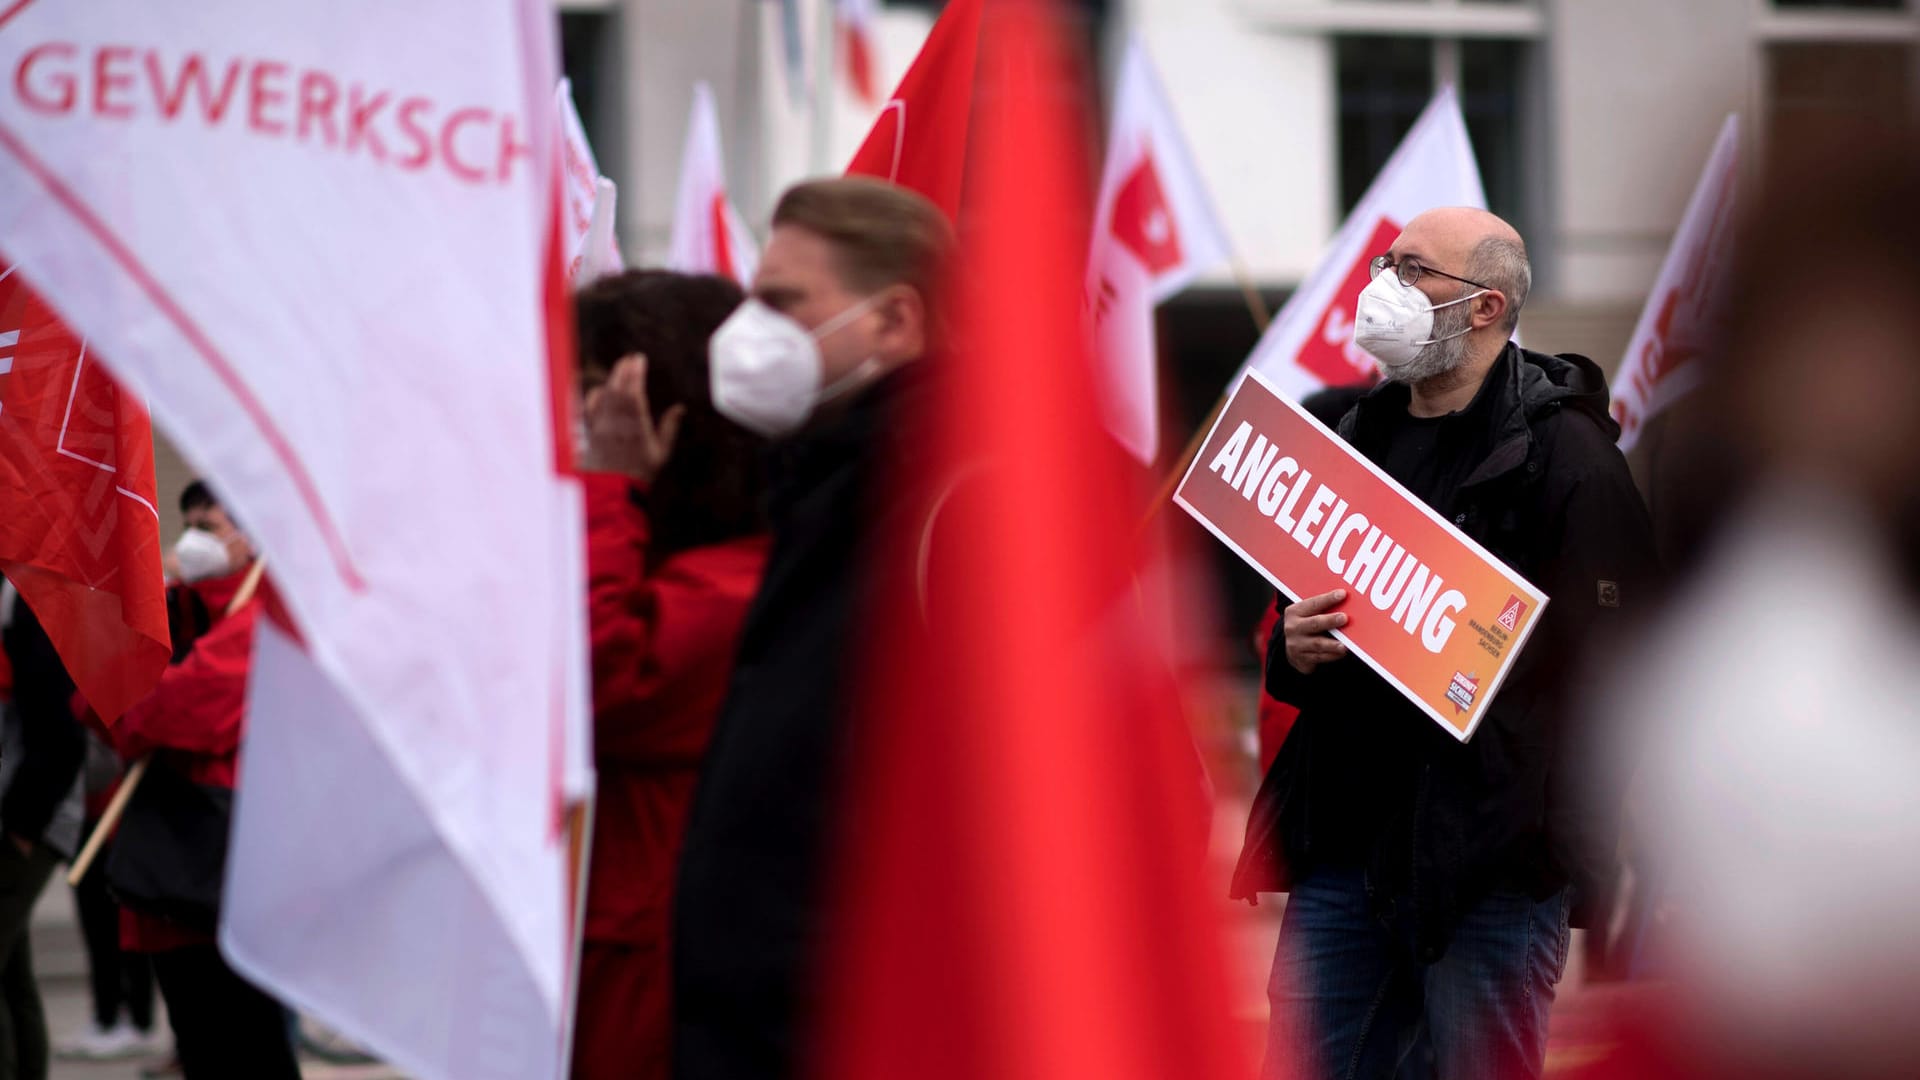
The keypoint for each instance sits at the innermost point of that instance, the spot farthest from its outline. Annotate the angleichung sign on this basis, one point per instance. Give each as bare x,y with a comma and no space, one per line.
1428,608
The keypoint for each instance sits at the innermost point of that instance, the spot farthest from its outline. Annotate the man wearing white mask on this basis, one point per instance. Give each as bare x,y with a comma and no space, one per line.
204,568
826,356
1433,882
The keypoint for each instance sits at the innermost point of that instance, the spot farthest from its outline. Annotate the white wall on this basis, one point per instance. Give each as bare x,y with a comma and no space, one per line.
1258,110
1638,89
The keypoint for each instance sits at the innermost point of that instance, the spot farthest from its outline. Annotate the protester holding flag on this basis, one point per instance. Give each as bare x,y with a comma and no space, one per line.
1432,880
676,543
171,848
833,343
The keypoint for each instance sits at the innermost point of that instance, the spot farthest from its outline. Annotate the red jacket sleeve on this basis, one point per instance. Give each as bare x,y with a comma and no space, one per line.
662,637
201,701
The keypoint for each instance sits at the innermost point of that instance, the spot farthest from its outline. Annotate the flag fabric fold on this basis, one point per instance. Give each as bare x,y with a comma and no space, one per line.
919,140
79,532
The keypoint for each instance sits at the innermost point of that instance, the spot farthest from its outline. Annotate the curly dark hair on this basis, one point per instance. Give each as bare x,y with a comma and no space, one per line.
712,487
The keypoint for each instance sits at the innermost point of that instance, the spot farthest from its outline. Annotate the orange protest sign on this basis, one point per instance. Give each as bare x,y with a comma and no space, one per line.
1432,611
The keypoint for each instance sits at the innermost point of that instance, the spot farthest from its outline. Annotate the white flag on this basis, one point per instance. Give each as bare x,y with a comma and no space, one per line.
1155,230
1686,312
709,235
855,33
1310,344
592,249
320,240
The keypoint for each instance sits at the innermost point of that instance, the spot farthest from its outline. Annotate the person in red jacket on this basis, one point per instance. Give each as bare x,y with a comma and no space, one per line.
676,544
190,727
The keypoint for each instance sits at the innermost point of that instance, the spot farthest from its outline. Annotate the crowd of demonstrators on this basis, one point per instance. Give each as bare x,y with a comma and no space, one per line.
735,449
42,748
169,853
1432,882
676,535
823,358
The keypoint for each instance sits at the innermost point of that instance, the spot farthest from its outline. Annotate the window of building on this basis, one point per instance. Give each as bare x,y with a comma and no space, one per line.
1382,84
589,57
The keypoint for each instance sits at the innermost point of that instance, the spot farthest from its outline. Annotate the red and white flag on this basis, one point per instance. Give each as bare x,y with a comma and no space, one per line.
79,535
1154,231
919,140
1310,344
588,197
709,235
853,25
323,242
1686,312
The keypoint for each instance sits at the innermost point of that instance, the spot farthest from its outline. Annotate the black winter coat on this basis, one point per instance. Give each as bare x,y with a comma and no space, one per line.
1525,804
747,906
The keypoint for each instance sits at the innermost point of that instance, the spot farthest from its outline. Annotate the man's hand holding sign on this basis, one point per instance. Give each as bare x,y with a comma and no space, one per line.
1308,631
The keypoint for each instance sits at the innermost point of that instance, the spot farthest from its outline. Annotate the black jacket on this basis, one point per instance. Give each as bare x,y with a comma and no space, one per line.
1524,804
53,744
747,910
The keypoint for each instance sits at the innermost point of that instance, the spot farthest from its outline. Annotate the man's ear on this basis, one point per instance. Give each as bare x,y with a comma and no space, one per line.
903,327
1489,309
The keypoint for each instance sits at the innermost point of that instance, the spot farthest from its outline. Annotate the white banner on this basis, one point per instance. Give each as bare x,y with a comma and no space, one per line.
709,236
1310,344
1155,230
318,239
589,198
1685,314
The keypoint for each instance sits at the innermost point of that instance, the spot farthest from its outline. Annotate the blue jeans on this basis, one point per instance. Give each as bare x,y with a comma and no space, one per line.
1361,1008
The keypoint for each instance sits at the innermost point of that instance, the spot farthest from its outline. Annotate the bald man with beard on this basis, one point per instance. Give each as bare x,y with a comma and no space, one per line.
1433,882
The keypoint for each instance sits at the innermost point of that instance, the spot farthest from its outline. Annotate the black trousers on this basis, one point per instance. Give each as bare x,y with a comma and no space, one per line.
119,979
23,1026
224,1027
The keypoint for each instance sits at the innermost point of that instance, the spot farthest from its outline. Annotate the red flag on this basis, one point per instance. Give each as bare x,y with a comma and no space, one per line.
920,138
79,535
1025,899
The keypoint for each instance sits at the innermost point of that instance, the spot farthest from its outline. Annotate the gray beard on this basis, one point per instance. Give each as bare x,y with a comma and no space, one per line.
1443,355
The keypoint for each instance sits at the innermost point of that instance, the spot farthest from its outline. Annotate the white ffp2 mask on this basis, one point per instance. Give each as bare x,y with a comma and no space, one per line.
201,555
766,373
1394,321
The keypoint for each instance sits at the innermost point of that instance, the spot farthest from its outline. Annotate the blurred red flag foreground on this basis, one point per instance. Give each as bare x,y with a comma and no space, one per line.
1023,896
79,536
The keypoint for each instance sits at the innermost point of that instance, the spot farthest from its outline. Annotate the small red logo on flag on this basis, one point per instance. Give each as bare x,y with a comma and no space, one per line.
1510,616
1143,221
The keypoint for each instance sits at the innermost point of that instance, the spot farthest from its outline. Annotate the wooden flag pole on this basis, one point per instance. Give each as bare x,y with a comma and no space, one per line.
117,807
1262,318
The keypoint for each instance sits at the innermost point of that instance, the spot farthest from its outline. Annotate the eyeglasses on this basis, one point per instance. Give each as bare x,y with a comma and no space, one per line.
1410,271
